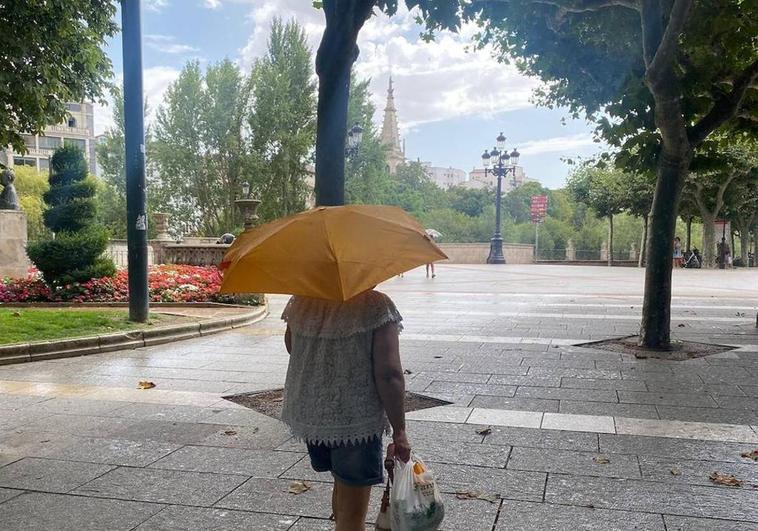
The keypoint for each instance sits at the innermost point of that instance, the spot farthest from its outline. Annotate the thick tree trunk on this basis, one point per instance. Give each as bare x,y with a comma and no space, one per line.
643,243
744,245
709,241
655,330
689,233
610,240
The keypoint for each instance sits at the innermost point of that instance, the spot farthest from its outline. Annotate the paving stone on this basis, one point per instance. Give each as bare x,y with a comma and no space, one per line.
494,368
652,496
7,494
462,377
517,516
596,383
272,496
473,454
708,414
644,411
110,451
683,523
263,437
511,484
471,515
19,401
667,399
80,425
49,475
6,458
164,412
257,463
674,448
505,417
313,524
750,390
162,486
176,518
536,438
441,414
560,363
574,373
737,402
469,389
77,406
302,470
14,418
516,404
591,423
165,431
577,463
443,431
535,381
560,393
696,472
37,511
685,430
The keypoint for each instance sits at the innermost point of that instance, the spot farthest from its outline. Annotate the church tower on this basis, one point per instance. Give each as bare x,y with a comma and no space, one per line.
391,134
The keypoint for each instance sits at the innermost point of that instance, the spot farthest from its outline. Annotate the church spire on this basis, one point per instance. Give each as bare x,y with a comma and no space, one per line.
391,133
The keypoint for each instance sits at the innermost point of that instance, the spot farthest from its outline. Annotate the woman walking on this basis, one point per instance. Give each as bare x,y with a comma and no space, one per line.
344,383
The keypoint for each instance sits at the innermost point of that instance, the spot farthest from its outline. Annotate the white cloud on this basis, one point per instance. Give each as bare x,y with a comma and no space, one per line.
570,143
155,5
168,44
433,81
212,4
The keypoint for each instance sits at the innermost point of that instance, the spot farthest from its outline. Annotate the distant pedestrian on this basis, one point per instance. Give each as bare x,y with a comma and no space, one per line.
344,383
434,236
677,252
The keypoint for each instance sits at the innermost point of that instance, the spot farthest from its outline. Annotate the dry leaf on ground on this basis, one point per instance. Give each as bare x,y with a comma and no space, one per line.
298,487
477,495
676,472
230,432
725,479
601,460
484,431
407,371
751,455
145,384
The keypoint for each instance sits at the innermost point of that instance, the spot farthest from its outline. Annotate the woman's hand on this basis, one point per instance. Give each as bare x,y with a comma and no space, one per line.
402,446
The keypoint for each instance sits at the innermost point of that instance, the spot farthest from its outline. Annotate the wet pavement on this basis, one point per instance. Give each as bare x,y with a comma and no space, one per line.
580,438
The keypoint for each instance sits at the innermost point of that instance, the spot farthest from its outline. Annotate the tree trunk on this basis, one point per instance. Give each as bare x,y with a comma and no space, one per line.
610,240
643,243
744,244
689,233
655,330
709,241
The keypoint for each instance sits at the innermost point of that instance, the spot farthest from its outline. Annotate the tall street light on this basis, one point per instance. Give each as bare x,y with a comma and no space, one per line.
354,138
503,164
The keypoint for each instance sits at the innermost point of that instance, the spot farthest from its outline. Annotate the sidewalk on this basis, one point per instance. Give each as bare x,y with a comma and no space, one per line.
580,438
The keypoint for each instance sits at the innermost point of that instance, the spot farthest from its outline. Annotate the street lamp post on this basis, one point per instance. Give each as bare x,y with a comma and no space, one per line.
503,164
354,138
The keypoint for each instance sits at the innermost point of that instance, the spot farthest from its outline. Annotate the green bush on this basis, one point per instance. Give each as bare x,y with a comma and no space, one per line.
75,254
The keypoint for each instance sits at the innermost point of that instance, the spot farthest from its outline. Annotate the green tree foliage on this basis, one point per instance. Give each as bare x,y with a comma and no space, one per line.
75,254
52,53
283,120
31,186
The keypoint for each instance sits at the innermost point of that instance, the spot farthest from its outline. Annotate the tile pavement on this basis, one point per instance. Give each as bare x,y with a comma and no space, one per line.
565,436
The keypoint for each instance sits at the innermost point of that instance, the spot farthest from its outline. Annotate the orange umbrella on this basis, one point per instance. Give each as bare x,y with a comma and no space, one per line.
329,253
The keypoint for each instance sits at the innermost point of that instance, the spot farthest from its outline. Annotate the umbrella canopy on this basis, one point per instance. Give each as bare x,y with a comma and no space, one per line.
329,253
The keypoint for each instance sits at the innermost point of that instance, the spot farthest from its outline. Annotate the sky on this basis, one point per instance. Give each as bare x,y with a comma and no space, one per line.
451,102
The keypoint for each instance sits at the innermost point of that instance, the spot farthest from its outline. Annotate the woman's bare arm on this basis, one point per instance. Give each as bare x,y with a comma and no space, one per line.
390,383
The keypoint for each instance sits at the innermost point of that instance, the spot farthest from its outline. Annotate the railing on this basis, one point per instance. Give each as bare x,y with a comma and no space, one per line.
584,255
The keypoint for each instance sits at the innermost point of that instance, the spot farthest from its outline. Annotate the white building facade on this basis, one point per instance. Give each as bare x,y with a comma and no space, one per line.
479,179
446,177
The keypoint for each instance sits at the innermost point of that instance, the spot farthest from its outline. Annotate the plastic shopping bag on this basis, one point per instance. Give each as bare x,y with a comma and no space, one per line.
415,502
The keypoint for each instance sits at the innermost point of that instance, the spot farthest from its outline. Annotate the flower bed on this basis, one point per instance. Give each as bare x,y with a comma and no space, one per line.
167,283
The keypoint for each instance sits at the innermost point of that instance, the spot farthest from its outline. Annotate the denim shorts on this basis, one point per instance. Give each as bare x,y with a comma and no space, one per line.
358,465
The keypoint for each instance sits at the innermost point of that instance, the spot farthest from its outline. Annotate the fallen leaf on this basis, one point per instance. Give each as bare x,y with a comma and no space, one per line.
230,432
725,479
298,487
145,384
681,325
676,472
407,371
16,314
601,460
437,357
484,431
477,495
751,455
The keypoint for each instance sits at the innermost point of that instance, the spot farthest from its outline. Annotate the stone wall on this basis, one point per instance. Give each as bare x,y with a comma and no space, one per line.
13,260
476,253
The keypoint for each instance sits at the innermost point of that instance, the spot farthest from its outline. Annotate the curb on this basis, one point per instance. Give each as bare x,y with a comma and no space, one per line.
132,339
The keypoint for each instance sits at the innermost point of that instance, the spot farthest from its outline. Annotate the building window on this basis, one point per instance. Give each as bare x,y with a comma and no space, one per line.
49,142
44,164
24,161
29,141
71,121
76,142
73,107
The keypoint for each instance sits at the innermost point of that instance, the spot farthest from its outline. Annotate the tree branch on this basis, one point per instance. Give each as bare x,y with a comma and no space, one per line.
721,190
725,107
666,51
582,6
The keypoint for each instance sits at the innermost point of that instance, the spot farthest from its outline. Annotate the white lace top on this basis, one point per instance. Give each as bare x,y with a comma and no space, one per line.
330,396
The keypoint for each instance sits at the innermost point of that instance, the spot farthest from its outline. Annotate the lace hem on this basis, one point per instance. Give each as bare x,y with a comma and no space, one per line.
332,320
336,436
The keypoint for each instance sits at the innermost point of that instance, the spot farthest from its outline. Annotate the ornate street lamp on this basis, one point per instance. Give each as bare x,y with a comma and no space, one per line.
354,138
503,164
248,206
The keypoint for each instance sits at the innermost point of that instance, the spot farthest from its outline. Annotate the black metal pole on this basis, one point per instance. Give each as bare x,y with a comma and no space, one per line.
722,251
134,140
496,243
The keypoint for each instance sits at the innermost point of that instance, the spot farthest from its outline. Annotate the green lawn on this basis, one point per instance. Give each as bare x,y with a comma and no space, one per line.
20,325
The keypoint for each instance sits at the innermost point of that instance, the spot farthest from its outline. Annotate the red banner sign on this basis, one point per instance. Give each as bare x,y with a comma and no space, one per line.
539,208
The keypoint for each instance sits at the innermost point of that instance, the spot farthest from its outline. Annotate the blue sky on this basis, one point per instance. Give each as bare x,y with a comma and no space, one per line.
451,103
